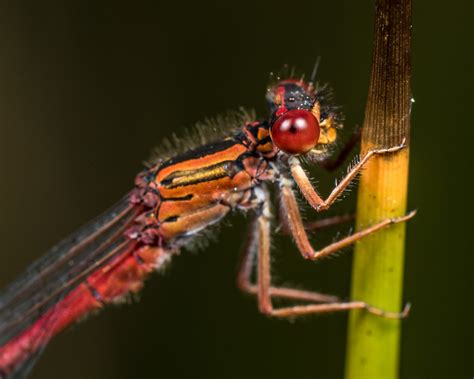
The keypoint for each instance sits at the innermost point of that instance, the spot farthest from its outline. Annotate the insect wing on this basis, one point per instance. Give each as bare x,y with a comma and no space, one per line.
33,304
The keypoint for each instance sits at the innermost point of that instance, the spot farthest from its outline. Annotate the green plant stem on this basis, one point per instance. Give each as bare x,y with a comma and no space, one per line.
377,277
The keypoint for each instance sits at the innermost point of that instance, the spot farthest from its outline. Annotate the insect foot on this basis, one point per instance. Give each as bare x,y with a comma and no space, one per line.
393,149
392,315
407,217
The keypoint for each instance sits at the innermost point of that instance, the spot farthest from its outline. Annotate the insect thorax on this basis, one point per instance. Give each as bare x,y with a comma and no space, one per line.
187,193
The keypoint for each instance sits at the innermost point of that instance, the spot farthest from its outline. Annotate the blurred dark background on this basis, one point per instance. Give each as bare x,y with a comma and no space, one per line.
88,88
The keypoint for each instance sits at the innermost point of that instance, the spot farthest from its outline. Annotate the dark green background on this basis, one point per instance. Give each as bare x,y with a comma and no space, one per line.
87,89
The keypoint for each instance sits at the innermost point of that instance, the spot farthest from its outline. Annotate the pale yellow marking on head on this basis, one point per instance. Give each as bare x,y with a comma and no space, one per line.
331,134
316,110
322,138
327,123
327,135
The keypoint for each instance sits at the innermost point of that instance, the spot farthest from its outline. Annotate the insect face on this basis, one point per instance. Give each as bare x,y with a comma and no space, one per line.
298,124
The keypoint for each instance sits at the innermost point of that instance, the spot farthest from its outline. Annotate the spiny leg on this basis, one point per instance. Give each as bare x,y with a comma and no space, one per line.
312,196
248,256
328,222
314,225
264,284
304,246
260,239
301,238
318,224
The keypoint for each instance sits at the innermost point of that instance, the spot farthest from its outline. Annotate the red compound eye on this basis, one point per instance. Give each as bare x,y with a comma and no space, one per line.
295,132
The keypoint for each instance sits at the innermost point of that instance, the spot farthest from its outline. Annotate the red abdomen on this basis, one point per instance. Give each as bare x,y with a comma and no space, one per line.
125,274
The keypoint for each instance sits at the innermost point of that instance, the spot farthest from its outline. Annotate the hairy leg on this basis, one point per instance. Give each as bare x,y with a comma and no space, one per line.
259,245
310,193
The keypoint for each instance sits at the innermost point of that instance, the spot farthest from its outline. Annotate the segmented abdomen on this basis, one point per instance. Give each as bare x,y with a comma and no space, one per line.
124,274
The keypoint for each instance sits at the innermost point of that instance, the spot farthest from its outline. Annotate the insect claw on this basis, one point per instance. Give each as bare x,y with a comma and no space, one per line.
411,214
407,217
392,315
406,310
393,149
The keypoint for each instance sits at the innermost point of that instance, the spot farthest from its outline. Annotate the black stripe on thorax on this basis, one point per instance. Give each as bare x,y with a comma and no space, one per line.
179,198
200,152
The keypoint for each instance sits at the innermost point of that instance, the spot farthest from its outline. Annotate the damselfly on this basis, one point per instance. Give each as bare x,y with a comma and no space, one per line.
175,200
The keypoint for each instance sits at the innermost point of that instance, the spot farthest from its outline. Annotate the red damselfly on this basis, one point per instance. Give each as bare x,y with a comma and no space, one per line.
175,200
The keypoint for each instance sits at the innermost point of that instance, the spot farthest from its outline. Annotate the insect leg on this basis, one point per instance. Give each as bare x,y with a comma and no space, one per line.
311,194
328,222
301,238
264,288
244,282
317,224
247,258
